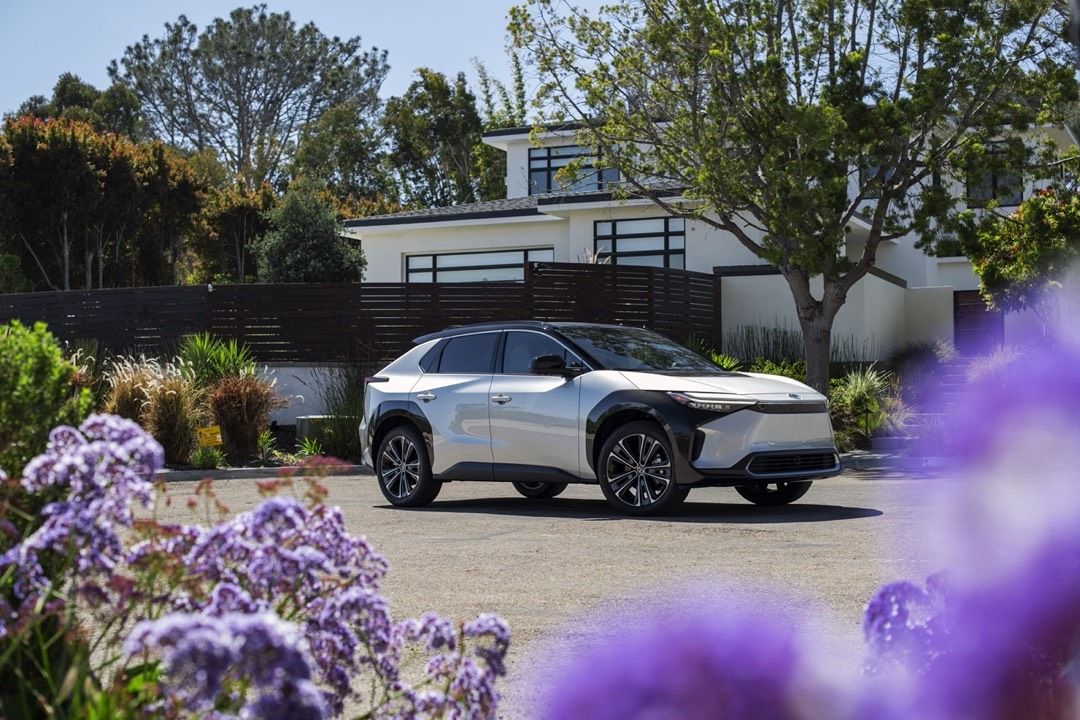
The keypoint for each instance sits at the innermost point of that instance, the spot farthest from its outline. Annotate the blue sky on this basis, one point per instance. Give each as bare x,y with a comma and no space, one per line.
40,39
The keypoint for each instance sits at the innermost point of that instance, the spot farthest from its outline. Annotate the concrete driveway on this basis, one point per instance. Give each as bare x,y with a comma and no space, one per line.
549,565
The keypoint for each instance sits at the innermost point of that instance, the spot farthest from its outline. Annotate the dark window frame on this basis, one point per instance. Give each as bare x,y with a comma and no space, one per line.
614,236
591,178
434,269
500,364
496,348
997,187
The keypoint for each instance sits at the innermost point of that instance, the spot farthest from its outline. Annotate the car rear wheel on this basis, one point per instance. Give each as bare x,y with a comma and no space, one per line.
774,493
636,471
539,490
404,470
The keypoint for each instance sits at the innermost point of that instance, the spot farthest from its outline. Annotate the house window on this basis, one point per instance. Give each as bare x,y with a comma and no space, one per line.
1004,186
484,266
871,187
654,242
545,163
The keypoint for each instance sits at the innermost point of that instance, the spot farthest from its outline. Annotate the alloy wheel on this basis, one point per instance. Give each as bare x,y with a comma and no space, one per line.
400,466
638,470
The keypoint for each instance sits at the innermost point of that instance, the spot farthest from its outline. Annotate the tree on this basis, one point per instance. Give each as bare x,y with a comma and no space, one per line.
246,85
501,108
343,150
1022,259
234,218
305,244
433,131
811,132
115,109
75,202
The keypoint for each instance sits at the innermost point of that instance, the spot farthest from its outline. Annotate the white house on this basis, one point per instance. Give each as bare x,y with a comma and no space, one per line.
910,296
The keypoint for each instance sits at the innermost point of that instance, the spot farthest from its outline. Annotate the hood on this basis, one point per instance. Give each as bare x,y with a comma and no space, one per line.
765,387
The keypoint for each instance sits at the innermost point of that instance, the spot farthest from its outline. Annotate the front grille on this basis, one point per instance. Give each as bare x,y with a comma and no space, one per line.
793,463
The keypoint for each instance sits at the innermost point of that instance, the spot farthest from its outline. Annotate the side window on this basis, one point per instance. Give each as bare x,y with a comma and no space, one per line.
469,354
430,361
523,347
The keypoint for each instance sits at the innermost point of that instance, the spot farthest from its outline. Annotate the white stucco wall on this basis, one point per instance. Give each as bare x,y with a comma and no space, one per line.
953,271
385,250
299,384
873,316
929,314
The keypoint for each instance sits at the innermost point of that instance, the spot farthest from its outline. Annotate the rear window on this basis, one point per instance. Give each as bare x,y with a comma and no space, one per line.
469,354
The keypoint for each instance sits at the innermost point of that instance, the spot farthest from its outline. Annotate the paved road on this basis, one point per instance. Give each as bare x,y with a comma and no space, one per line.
546,564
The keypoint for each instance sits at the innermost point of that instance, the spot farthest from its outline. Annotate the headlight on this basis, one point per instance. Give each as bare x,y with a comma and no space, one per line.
713,402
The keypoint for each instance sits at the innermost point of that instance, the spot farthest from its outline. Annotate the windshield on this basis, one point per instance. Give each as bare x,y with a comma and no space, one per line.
618,348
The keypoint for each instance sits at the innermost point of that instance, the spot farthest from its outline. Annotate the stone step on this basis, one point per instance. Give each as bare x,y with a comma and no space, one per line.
893,443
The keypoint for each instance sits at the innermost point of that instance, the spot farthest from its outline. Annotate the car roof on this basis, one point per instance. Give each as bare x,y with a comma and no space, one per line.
506,325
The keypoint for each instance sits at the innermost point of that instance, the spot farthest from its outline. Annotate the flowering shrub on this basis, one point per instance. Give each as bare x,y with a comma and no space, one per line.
273,613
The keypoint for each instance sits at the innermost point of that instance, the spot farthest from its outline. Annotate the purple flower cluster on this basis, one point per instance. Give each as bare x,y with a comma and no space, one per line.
1003,639
106,466
202,655
227,586
731,663
905,625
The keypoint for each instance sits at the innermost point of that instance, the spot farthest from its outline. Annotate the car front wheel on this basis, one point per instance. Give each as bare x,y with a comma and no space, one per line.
404,470
539,490
636,471
775,493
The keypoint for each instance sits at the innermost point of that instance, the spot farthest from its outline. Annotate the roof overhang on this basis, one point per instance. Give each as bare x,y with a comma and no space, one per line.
365,231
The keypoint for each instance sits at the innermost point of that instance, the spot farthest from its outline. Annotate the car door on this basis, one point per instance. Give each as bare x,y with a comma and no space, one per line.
534,418
454,398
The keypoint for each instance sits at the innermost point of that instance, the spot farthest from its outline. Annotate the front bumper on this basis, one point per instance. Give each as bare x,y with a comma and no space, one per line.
765,467
776,442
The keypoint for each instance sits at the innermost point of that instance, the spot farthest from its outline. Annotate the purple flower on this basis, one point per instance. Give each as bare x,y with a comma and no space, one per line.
905,625
106,466
727,664
202,654
1013,645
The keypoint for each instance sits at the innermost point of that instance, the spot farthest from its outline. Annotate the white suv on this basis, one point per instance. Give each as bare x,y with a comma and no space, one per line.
542,405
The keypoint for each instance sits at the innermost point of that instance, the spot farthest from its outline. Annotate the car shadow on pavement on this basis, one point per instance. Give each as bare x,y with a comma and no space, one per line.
690,512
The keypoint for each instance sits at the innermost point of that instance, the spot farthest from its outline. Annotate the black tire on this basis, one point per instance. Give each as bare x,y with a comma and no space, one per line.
539,490
636,470
774,493
403,469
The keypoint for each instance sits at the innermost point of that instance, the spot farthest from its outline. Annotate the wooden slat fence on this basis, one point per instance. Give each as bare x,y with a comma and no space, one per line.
372,321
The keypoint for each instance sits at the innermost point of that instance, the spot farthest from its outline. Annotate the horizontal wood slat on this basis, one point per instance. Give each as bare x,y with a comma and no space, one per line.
372,321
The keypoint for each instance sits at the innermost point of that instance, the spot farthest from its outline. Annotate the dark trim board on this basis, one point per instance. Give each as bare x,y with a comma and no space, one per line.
745,270
888,277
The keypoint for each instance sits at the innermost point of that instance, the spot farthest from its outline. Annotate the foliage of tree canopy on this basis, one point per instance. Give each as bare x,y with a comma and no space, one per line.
433,131
811,132
500,107
232,220
344,150
305,244
88,209
115,109
1023,258
247,85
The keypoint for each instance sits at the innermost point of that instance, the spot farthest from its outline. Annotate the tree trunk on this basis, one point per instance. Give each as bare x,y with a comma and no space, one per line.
817,340
65,244
816,320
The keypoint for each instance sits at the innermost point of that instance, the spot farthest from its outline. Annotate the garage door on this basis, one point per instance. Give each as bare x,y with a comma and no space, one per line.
975,328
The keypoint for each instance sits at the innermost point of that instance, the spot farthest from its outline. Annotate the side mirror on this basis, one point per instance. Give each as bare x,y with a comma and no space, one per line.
554,365
548,365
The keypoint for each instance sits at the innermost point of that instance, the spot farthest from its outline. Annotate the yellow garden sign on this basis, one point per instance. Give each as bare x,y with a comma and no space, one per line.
210,436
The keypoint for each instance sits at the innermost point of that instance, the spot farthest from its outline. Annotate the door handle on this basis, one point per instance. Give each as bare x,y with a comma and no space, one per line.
501,398
426,396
